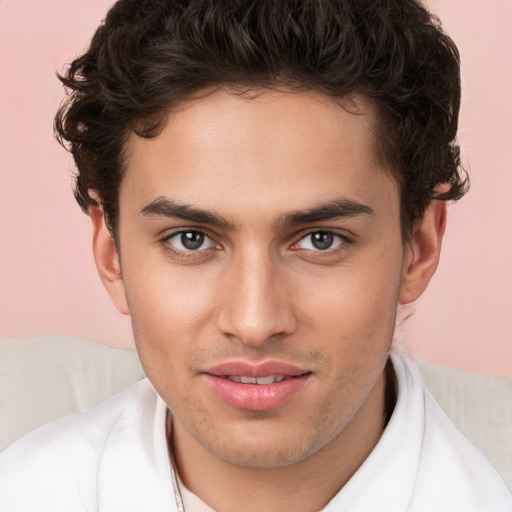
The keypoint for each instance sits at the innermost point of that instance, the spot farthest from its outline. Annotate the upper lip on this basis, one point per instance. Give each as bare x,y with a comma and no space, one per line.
250,369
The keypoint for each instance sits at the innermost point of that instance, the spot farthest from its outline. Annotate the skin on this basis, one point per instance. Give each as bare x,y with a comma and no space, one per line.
258,289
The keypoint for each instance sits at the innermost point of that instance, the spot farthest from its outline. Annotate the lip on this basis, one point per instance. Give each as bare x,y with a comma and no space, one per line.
256,397
238,368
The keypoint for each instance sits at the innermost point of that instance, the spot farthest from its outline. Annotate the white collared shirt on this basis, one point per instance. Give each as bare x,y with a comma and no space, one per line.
114,458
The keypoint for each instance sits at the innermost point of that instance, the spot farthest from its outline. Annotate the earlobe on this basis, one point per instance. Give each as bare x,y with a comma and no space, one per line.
422,253
107,260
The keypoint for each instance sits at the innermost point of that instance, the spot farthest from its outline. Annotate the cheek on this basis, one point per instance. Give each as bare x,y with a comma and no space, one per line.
168,311
353,302
167,297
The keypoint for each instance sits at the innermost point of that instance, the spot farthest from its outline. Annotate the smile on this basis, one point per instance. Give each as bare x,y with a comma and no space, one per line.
256,387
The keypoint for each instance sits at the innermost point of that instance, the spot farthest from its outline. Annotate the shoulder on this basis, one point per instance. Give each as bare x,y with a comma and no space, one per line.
451,464
452,473
69,451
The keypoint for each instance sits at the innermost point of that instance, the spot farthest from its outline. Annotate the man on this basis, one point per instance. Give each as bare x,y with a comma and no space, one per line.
266,182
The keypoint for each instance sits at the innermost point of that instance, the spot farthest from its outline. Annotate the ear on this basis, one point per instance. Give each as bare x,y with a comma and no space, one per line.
422,252
107,259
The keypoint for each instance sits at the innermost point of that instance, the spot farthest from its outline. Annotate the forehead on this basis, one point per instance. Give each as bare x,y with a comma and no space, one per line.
259,153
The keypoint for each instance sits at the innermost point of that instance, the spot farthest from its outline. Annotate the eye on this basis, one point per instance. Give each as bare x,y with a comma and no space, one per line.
190,241
321,241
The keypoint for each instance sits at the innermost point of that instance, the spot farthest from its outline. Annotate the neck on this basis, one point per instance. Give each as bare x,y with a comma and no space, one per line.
305,486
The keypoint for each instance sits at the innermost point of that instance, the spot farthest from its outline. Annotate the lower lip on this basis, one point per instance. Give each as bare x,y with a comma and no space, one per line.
256,397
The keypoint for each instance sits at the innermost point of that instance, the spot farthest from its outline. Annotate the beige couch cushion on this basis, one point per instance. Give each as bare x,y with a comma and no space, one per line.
42,379
45,378
480,406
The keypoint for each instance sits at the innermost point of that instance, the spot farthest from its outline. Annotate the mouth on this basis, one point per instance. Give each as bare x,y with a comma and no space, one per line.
259,387
244,379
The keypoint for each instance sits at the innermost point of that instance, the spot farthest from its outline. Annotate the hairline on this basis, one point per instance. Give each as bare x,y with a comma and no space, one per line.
350,102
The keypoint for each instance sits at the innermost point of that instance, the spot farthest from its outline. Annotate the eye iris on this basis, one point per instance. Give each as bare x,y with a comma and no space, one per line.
192,240
322,240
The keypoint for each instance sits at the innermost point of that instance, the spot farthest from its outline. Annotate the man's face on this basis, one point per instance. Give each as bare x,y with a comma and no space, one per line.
260,237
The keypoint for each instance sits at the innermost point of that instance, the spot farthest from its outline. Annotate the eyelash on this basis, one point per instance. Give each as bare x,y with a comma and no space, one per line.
190,254
318,253
201,253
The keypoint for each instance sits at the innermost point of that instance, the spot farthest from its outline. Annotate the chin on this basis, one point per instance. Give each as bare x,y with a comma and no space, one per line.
268,457
265,450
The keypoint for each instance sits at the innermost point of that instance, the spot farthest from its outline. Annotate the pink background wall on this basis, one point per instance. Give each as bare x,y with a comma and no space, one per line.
48,283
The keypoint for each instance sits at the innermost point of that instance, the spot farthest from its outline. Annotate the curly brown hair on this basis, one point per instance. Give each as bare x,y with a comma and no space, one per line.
148,55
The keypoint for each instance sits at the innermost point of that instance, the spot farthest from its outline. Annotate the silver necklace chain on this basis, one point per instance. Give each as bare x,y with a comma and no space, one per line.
174,470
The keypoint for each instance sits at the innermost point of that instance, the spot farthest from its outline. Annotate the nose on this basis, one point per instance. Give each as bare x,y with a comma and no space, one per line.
257,304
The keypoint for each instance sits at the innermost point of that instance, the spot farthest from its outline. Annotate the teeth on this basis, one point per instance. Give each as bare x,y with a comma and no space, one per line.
256,380
266,380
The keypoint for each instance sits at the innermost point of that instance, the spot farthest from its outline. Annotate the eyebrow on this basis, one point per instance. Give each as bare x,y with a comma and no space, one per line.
340,208
164,207
337,209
